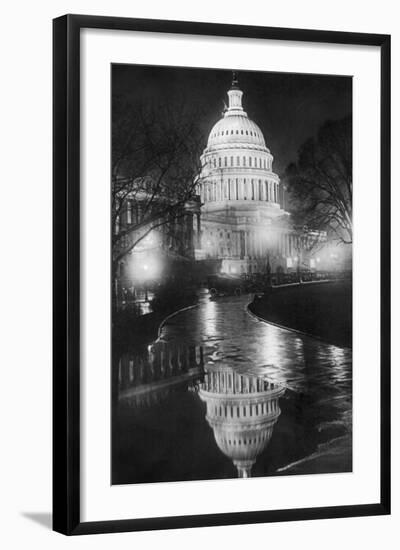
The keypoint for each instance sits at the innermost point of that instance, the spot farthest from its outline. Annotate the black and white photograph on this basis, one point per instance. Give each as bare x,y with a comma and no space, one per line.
231,274
197,279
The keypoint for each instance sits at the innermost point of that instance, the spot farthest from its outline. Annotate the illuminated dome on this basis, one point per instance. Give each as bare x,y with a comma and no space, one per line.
236,164
242,199
236,129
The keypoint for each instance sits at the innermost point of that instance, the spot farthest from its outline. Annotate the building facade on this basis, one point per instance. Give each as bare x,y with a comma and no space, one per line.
152,243
244,223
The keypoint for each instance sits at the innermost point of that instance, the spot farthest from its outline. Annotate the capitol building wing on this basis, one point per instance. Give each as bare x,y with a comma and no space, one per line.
244,224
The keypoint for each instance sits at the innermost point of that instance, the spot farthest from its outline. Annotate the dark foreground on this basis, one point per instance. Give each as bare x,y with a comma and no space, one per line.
220,394
323,310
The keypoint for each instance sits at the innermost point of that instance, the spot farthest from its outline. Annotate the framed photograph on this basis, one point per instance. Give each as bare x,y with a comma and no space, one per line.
221,274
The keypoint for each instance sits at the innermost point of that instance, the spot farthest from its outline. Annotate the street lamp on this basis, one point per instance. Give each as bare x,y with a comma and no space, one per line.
144,267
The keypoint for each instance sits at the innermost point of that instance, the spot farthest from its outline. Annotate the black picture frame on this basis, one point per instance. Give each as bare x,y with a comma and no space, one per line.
66,273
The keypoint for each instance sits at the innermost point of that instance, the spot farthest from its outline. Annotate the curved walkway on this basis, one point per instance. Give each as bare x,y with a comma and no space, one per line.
233,337
312,435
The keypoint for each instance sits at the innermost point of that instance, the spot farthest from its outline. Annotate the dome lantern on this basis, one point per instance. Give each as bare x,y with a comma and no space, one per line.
235,127
235,103
235,95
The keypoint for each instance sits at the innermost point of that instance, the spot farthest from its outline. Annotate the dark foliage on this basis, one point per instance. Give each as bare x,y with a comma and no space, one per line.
320,182
155,163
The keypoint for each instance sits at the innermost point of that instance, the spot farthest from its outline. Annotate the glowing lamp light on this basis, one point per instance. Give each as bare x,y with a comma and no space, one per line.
150,270
295,259
145,268
318,260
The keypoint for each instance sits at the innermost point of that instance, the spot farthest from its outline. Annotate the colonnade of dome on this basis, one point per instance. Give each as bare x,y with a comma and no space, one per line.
239,188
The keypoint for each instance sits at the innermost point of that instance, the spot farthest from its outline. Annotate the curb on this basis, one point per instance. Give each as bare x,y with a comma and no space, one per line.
173,315
304,283
289,329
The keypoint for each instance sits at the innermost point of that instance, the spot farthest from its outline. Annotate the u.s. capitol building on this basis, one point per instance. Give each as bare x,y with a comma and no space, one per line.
244,224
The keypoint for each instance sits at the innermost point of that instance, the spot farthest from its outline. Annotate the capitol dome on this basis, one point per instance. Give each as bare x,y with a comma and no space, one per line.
236,129
237,164
242,199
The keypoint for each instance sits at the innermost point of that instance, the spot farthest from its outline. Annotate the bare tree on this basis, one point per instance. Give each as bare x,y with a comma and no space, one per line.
155,162
320,182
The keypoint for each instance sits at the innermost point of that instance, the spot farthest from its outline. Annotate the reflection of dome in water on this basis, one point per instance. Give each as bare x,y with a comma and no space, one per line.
242,410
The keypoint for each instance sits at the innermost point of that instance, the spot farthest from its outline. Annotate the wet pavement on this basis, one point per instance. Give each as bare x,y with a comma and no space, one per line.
222,394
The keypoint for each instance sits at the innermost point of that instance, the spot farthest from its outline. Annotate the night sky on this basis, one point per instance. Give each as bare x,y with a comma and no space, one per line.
288,108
